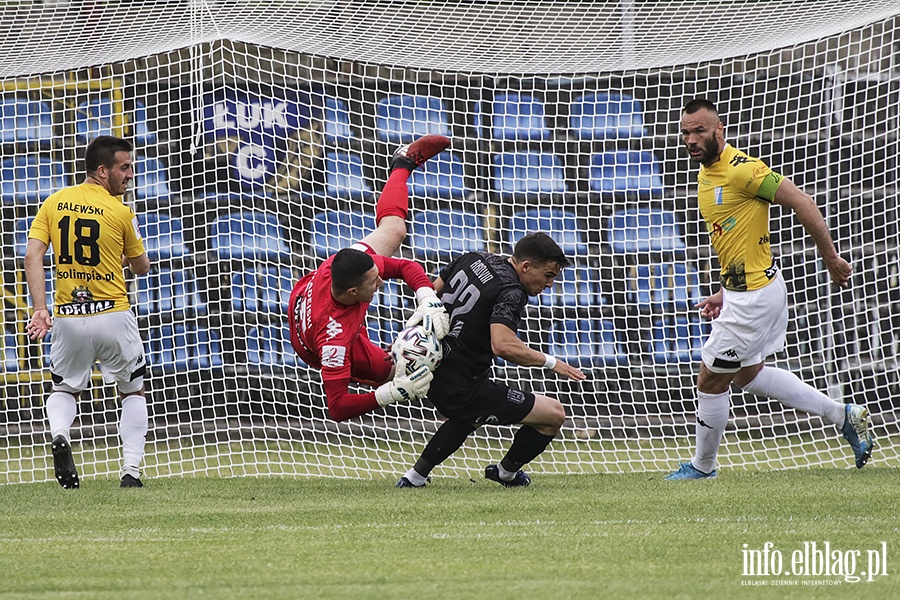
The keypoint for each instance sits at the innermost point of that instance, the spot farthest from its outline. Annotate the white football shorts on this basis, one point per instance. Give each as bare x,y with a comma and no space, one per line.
111,339
751,326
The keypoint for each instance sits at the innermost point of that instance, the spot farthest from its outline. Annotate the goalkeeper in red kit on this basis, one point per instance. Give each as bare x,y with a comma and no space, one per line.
327,308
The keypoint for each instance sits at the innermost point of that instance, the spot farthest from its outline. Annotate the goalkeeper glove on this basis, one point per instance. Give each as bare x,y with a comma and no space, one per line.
403,389
430,313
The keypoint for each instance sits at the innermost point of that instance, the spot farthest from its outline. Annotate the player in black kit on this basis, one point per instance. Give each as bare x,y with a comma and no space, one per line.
485,295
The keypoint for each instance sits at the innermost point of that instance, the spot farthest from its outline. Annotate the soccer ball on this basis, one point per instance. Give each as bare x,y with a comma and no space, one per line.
414,348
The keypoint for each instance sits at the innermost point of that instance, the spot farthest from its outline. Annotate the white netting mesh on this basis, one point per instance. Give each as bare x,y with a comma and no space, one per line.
484,37
263,130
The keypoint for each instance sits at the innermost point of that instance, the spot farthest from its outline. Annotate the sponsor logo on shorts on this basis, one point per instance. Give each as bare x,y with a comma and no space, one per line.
515,396
488,419
333,356
721,363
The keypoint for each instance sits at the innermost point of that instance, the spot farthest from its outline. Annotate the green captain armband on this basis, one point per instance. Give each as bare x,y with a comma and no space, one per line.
769,186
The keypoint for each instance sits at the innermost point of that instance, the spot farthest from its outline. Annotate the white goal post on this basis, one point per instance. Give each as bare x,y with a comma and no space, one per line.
263,132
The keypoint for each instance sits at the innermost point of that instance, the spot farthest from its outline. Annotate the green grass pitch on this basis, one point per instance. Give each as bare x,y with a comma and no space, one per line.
566,536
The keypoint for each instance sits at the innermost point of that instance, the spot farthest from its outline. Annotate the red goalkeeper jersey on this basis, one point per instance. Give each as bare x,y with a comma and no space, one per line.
327,334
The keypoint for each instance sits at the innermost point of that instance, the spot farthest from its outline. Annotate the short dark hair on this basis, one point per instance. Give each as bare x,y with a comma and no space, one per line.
349,267
699,104
102,152
539,248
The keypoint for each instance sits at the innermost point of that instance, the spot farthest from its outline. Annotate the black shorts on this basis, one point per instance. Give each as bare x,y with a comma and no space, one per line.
484,402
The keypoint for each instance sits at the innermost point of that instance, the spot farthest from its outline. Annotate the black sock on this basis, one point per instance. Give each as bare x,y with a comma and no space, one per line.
526,446
445,441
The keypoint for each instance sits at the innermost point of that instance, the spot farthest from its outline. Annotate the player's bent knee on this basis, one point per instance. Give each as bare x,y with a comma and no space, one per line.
393,229
139,392
548,414
387,236
711,382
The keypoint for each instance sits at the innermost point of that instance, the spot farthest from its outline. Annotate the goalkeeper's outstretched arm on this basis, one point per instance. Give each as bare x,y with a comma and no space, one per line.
429,311
344,405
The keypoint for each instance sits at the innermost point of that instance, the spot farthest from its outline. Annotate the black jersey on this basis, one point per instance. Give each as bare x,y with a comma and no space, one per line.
479,289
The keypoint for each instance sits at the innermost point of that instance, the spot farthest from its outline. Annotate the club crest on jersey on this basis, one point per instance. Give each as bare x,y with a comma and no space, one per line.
82,294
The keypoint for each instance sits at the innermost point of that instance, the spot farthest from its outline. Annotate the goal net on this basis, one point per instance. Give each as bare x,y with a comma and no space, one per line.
263,132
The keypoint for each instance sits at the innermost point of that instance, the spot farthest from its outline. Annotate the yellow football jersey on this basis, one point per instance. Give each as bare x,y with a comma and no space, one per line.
89,231
734,196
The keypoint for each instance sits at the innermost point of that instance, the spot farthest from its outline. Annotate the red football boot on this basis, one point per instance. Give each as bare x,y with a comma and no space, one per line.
412,156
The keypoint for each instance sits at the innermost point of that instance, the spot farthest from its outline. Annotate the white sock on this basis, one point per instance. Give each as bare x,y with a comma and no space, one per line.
504,474
787,388
61,413
133,431
712,417
414,478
